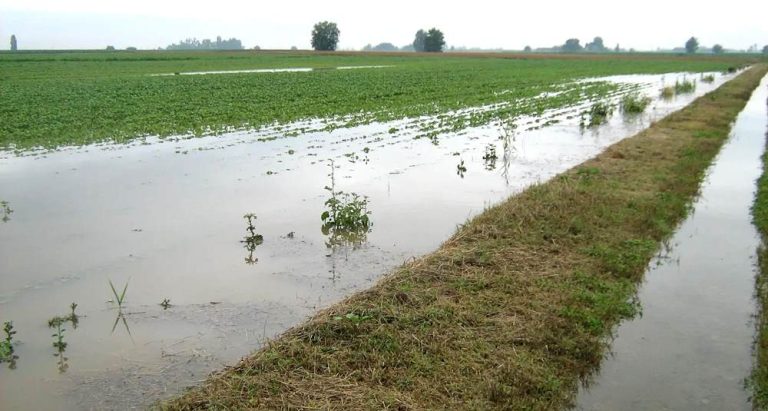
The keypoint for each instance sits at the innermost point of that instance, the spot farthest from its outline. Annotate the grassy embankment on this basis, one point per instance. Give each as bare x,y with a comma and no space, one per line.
759,379
513,310
69,98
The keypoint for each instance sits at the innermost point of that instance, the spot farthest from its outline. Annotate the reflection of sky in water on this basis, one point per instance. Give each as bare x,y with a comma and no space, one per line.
691,348
167,218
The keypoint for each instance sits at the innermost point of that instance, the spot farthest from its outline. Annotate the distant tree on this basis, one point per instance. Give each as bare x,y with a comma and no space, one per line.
765,49
420,41
384,47
131,49
325,36
596,45
718,49
207,44
294,48
110,48
14,45
434,41
572,46
256,47
691,45
527,49
407,47
617,49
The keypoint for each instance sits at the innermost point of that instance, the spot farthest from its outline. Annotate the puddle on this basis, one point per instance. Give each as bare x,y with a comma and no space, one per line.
281,70
167,218
691,349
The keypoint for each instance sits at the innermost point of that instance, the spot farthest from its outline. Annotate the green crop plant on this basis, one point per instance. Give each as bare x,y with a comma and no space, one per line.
346,218
6,345
634,103
49,98
598,114
685,86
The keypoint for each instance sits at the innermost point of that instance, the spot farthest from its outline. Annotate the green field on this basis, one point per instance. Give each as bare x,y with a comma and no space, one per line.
56,99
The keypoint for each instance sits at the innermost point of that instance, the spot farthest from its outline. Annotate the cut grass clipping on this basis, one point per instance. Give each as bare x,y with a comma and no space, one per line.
759,379
513,310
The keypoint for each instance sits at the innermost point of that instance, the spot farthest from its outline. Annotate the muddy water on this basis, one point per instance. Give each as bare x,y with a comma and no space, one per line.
166,218
691,348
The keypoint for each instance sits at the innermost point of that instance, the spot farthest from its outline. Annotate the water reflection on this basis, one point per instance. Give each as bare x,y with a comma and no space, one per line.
6,211
252,240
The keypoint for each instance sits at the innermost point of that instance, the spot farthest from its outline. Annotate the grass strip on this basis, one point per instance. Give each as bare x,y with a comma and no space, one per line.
514,309
758,381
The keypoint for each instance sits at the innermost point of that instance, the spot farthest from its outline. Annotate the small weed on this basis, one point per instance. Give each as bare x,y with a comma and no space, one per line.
490,157
634,103
598,114
709,78
346,219
251,240
461,169
166,303
6,346
685,86
668,92
6,211
119,298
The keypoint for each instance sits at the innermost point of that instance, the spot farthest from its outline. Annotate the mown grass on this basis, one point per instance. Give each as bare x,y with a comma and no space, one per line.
57,99
513,310
758,381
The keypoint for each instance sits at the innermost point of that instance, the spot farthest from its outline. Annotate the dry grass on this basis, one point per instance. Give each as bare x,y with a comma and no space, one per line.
513,310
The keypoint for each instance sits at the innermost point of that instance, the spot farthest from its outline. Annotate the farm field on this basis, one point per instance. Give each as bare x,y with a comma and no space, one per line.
191,217
59,99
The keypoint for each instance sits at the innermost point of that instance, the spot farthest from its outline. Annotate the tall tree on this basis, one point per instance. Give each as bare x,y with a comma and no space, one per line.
435,41
765,49
14,45
419,42
571,46
325,36
596,45
718,49
692,45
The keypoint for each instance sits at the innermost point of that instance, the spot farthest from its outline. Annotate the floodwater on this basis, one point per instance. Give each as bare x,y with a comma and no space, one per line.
692,347
276,70
165,217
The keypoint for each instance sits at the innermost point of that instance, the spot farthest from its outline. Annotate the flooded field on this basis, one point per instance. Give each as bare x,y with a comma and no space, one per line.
166,219
692,347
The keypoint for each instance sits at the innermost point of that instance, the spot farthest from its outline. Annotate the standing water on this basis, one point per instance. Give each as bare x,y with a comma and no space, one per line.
167,220
691,348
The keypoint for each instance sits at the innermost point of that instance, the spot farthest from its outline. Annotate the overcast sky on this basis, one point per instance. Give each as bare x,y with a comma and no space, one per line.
148,24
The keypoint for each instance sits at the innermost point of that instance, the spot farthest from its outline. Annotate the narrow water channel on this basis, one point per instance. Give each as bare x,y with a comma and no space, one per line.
692,347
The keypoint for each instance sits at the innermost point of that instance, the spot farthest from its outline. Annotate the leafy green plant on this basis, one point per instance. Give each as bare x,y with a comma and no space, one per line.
598,113
708,78
166,303
490,157
668,92
634,103
6,346
119,298
346,219
251,240
685,86
461,169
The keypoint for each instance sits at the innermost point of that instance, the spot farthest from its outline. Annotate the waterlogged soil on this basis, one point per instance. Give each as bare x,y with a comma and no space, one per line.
691,348
165,217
